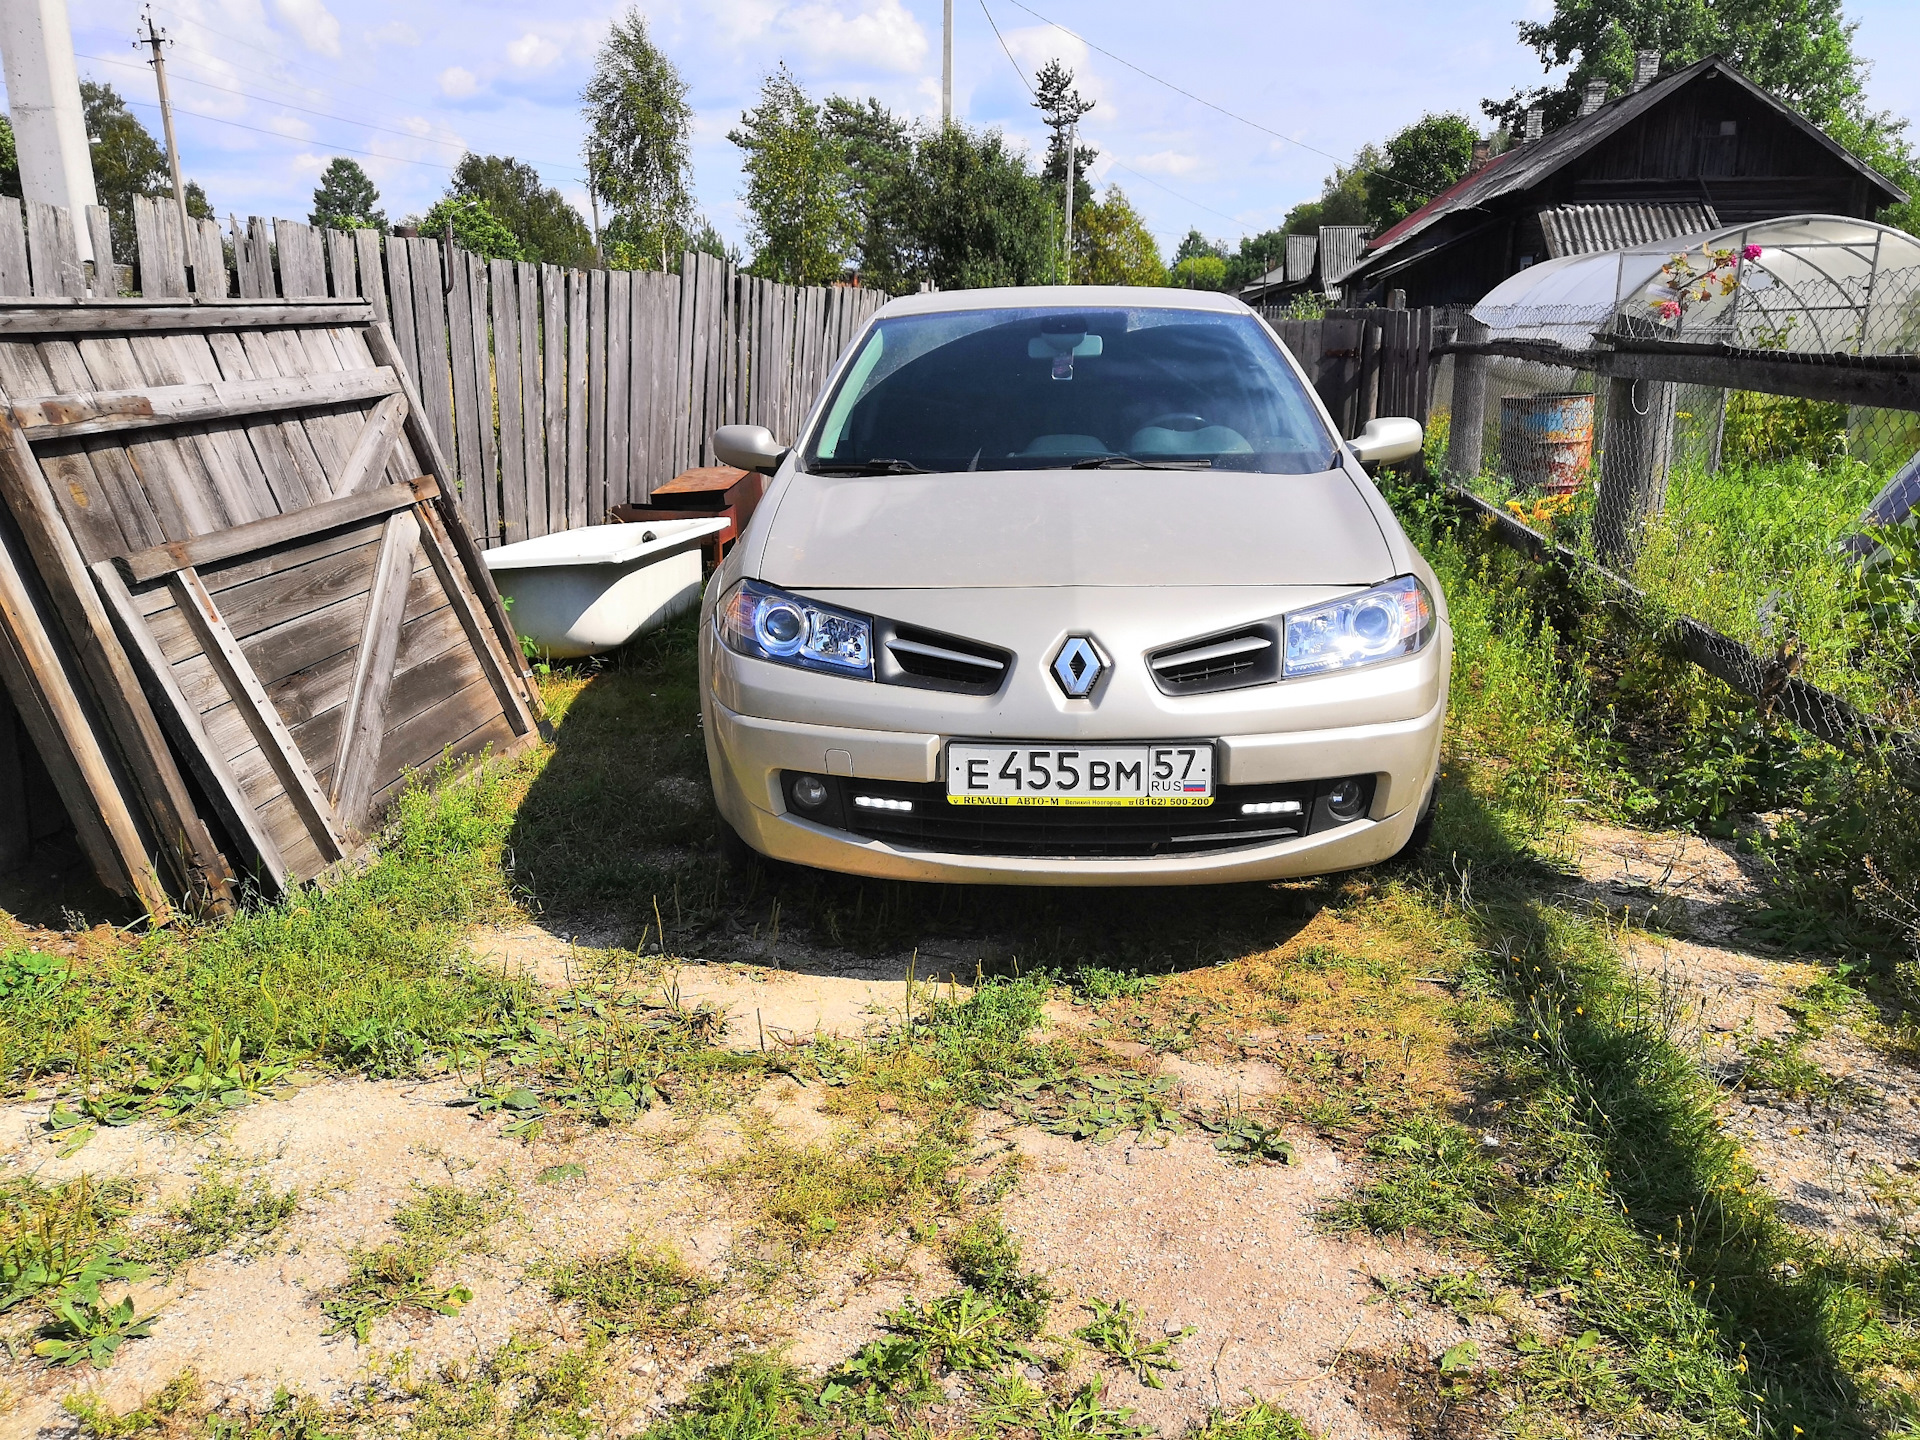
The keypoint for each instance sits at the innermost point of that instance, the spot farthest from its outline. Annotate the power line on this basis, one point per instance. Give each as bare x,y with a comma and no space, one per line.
1231,219
1197,99
295,139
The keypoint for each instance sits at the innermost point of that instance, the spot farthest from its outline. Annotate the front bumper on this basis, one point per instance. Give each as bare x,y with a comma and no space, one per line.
748,754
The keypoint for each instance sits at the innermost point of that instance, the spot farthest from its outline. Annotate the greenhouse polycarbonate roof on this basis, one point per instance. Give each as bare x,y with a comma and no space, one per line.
1806,283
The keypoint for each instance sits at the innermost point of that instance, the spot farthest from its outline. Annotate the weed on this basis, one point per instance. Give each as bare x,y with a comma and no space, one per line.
1260,1420
964,1330
1466,1295
1247,1140
438,1224
752,1397
1098,983
1114,1330
224,1208
809,1192
90,1329
287,1417
638,1291
987,1259
160,1411
1091,1106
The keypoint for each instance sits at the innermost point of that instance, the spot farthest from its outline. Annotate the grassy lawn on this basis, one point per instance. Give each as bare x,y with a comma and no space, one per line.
1471,1038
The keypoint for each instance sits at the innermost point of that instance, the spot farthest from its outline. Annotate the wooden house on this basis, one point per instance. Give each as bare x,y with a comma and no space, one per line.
1698,149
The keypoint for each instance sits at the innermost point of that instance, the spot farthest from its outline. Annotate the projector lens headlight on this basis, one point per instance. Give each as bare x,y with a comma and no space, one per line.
1383,623
770,624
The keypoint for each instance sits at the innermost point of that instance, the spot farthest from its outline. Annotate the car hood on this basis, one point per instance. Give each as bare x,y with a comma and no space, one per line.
1079,527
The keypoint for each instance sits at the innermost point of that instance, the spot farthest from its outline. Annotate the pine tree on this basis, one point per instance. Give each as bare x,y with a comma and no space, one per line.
345,198
1061,106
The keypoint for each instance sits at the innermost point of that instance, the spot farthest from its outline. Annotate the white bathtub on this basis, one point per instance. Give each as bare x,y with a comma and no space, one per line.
579,592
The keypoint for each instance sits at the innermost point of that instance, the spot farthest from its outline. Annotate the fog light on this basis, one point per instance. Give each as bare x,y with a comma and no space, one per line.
1346,799
810,791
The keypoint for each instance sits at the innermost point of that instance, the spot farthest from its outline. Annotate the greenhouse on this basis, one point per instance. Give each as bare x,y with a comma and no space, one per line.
1813,284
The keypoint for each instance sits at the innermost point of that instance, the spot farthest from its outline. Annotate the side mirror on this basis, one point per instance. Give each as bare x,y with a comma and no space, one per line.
752,447
1387,440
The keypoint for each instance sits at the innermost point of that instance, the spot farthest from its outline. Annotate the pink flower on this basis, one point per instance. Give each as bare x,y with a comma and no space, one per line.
1750,252
1669,309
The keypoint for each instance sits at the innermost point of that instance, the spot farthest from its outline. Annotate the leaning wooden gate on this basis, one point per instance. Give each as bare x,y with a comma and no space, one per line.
250,547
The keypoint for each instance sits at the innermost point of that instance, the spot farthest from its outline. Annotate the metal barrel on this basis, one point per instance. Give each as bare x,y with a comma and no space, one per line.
1546,441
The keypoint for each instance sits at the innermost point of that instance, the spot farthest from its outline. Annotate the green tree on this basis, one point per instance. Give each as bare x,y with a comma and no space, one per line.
877,148
128,161
639,126
475,227
9,160
1200,272
803,221
545,227
345,198
1061,107
1799,50
1115,246
1417,164
981,217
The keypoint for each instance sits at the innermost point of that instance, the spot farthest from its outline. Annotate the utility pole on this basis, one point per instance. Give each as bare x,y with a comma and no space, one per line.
156,39
946,64
49,123
593,199
1073,143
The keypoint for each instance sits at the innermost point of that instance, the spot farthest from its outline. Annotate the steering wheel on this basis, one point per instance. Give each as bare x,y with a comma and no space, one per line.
1167,421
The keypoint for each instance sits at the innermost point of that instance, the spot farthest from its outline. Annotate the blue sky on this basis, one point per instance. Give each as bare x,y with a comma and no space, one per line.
269,90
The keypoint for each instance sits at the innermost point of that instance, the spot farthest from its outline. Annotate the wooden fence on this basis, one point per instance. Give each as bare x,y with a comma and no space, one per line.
1364,363
556,394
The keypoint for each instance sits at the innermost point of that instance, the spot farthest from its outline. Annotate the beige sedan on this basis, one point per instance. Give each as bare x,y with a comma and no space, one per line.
1073,587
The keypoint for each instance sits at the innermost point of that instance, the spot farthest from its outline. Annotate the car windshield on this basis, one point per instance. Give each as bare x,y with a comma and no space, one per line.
998,389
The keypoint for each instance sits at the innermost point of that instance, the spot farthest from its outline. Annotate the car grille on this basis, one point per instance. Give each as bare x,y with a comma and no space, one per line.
929,660
1066,832
1249,656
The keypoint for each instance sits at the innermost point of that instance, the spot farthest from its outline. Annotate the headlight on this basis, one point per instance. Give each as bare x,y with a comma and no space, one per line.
770,624
1383,623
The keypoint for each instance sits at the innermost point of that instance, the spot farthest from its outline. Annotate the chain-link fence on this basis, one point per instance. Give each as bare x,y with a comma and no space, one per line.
1775,510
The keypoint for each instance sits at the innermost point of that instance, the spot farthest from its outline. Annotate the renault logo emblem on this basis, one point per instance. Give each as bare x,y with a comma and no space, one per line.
1078,667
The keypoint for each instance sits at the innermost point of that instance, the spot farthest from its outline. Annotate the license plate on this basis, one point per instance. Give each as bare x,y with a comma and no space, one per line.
1080,774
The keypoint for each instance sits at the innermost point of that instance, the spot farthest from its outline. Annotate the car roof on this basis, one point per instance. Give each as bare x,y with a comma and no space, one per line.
1063,297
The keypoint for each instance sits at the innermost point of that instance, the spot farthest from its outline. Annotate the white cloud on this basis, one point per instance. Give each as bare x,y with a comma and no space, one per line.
457,82
291,126
394,32
844,34
1167,162
319,31
533,52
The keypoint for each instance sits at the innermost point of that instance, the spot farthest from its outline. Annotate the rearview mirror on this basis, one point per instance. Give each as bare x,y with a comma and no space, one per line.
751,447
1387,440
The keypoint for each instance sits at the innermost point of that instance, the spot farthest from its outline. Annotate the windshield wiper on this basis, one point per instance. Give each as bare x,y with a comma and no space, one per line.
1127,462
873,467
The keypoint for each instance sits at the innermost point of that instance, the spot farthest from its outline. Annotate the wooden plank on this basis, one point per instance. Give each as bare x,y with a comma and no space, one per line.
421,743
103,504
204,550
266,284
269,731
372,271
444,530
578,499
505,300
1894,385
303,266
242,485
430,325
55,716
53,251
15,278
532,398
595,380
302,479
365,722
62,417
181,838
343,279
519,702
157,251
400,302
367,461
173,477
183,718
487,399
100,319
106,274
209,261
553,356
466,396
619,372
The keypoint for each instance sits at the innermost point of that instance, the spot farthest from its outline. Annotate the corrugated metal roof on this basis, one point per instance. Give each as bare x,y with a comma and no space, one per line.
1301,250
1340,249
1526,165
1589,229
